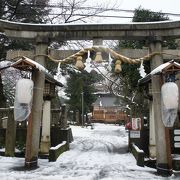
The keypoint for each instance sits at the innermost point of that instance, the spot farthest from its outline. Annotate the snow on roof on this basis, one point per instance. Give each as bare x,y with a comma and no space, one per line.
4,63
20,64
163,66
158,70
105,101
31,62
87,24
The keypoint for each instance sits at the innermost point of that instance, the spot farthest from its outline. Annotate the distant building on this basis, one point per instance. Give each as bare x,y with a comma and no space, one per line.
108,109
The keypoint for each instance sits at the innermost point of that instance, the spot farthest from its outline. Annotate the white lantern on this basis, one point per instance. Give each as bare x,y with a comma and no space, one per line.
23,99
24,91
170,95
169,103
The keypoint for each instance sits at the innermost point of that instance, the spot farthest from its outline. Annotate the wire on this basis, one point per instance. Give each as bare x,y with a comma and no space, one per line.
81,7
92,7
95,15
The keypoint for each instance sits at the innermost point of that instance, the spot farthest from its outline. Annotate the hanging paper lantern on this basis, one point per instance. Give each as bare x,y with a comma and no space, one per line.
23,99
169,103
24,91
170,95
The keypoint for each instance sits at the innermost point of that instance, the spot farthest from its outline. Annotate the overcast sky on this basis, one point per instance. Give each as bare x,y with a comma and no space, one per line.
165,6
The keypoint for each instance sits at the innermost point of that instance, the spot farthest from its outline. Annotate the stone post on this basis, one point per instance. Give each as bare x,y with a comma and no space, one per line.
152,139
77,116
160,135
63,117
66,133
10,134
34,122
46,126
177,122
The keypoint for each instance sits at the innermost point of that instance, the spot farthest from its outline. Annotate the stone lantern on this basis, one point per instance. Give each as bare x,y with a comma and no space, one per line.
165,95
26,64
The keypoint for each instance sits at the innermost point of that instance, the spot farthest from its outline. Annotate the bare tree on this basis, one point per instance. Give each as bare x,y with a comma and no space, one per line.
32,11
77,11
68,11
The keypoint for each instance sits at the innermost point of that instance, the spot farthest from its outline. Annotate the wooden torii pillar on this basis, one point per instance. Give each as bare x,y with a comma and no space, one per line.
33,130
34,122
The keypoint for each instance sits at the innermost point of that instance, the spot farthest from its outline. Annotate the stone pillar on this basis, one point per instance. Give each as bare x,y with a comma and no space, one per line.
66,133
63,117
10,135
77,117
160,135
46,125
152,140
177,122
34,122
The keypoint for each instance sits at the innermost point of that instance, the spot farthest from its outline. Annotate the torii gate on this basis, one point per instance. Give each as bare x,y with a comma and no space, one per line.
41,35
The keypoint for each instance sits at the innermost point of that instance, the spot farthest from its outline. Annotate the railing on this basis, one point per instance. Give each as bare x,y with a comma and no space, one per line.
13,134
7,113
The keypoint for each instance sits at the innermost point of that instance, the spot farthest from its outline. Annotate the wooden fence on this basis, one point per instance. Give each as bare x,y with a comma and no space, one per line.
19,129
8,113
109,115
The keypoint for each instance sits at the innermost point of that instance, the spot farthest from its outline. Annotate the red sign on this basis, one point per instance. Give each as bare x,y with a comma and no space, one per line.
136,123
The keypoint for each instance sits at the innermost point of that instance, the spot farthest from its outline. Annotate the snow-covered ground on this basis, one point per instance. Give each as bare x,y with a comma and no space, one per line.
99,153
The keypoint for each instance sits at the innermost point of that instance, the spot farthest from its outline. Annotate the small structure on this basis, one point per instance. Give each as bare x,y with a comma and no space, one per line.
161,134
106,110
165,69
26,64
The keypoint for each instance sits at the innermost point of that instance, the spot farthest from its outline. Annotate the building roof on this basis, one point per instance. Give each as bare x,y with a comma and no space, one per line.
106,100
27,64
170,66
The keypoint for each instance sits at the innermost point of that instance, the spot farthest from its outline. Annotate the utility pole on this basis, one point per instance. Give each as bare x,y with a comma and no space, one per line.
82,104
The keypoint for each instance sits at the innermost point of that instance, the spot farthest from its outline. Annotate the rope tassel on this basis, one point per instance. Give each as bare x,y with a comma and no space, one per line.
118,68
79,64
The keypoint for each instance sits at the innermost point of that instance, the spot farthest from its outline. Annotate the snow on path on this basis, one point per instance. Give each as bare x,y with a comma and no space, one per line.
95,154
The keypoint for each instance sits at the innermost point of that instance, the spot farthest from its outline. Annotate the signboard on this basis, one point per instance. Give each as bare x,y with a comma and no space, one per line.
177,145
177,138
136,123
177,131
134,134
